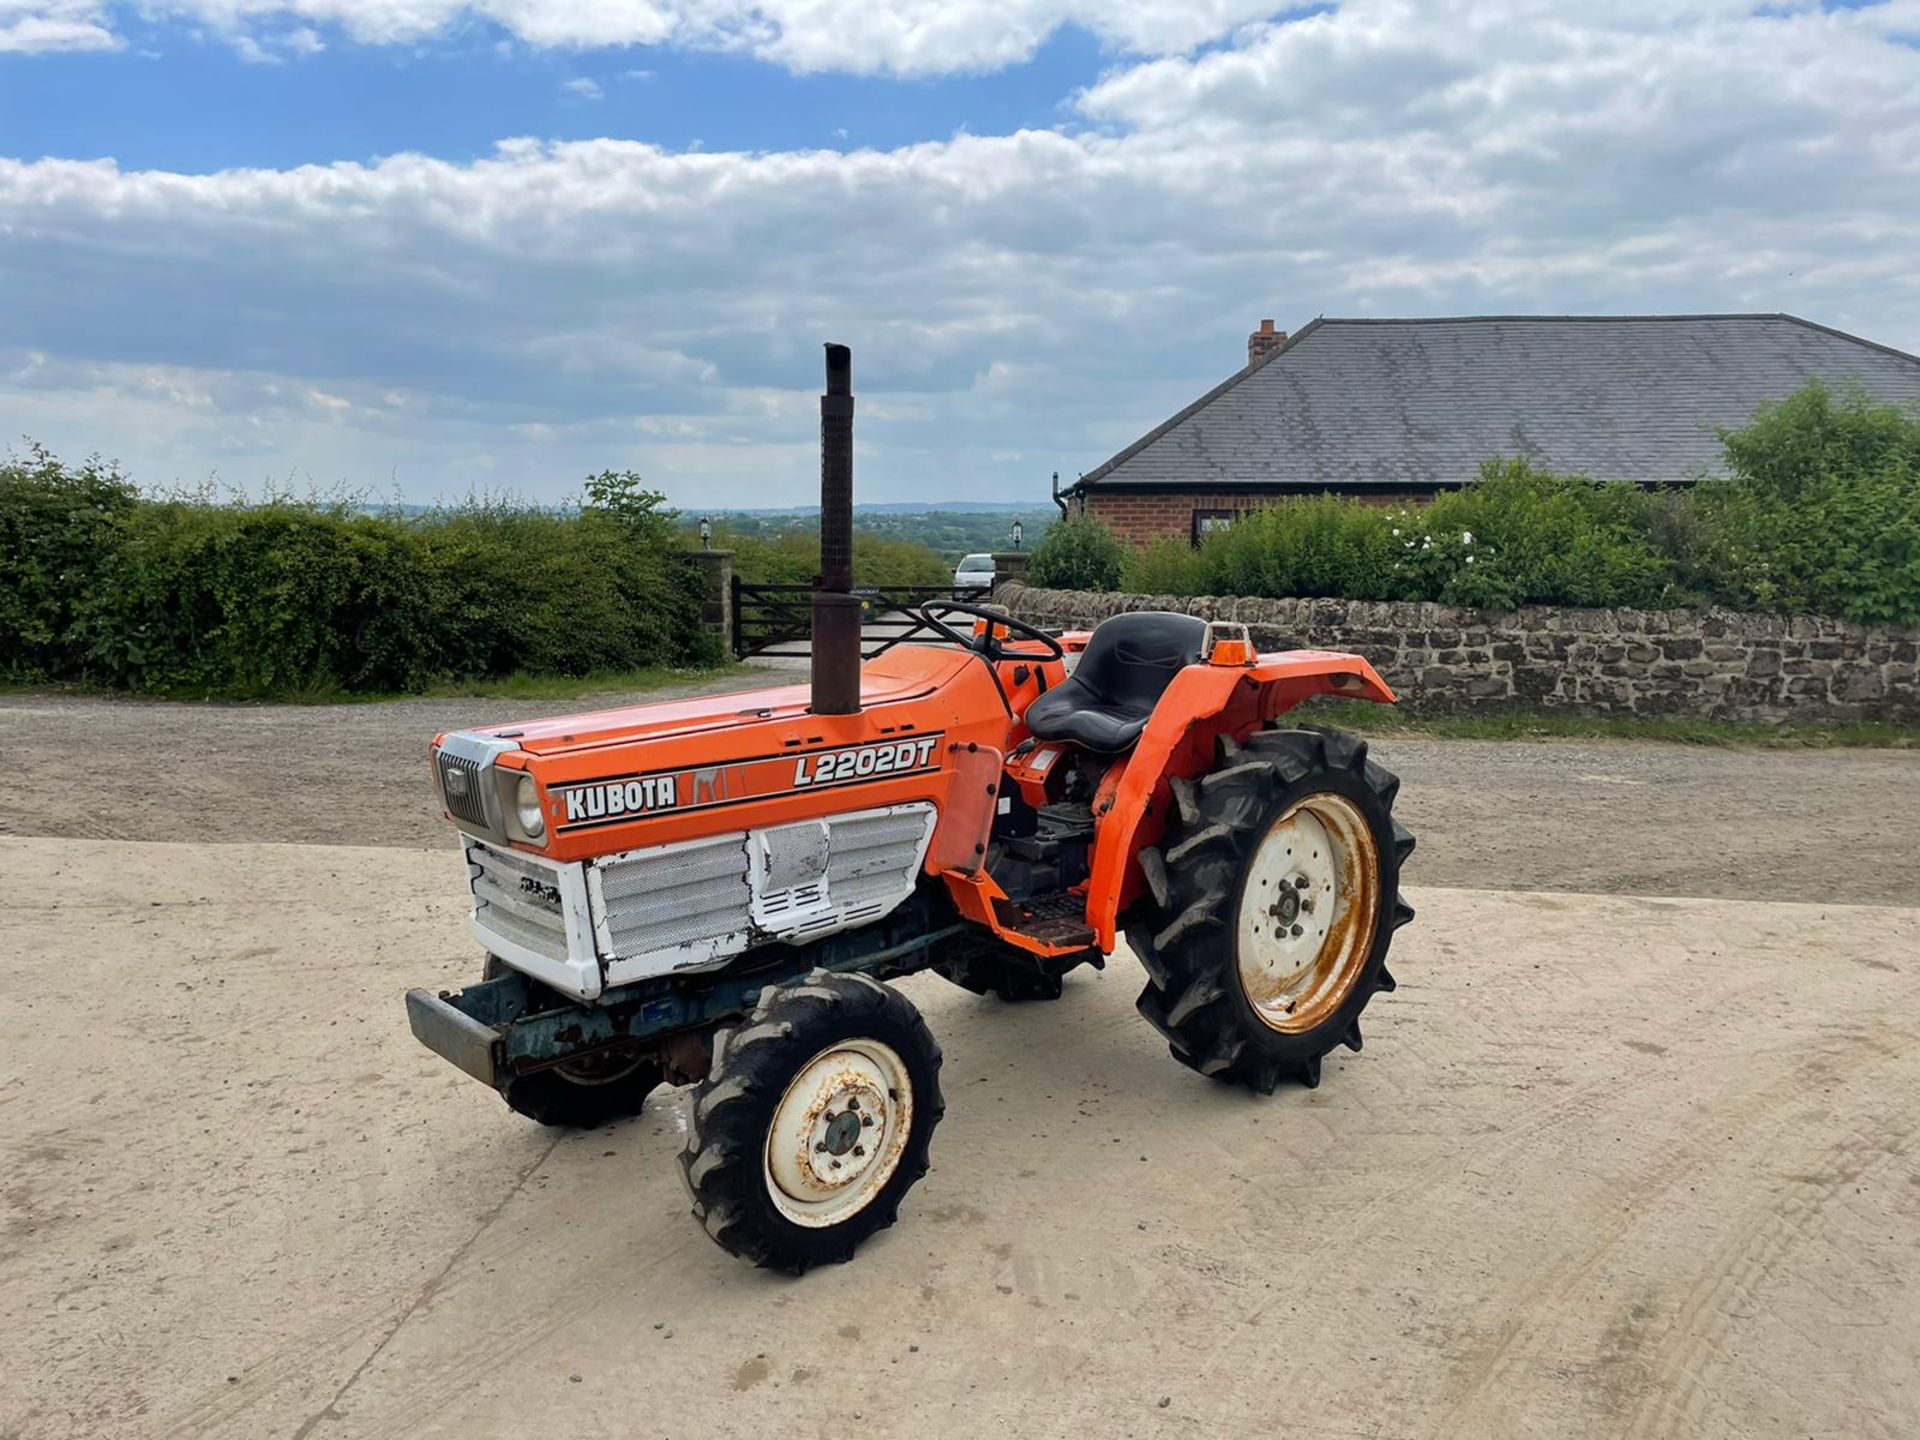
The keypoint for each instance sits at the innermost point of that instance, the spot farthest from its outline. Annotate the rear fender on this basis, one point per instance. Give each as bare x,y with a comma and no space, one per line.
1203,703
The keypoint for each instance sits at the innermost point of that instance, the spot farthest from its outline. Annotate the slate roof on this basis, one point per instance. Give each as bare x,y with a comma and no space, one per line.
1360,404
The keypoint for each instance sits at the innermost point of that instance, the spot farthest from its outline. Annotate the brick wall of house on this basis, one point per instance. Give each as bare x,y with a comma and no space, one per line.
1138,517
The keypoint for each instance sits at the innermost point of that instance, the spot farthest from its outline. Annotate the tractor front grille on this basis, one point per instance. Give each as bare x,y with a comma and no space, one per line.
677,906
518,899
697,902
656,900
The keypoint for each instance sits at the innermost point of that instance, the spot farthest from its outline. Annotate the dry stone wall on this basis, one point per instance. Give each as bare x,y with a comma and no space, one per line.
1706,664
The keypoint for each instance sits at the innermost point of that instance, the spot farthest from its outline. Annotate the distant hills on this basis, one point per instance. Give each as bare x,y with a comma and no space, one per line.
1008,508
903,507
951,528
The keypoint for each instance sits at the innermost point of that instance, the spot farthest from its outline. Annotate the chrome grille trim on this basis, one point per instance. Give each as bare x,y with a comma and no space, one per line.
462,796
481,809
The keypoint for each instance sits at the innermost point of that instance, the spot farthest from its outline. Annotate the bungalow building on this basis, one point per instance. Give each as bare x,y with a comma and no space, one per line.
1399,409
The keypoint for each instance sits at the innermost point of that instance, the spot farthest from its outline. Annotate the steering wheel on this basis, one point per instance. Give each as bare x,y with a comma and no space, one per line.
986,644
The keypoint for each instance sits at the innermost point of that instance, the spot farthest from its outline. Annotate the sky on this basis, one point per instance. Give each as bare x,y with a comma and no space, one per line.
431,248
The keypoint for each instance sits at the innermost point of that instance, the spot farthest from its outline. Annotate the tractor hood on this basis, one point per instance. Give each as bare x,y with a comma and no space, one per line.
903,673
653,774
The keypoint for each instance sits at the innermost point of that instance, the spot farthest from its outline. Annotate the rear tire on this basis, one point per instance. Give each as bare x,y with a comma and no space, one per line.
1275,896
814,1121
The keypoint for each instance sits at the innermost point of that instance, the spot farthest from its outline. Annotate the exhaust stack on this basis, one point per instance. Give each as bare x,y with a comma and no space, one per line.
836,611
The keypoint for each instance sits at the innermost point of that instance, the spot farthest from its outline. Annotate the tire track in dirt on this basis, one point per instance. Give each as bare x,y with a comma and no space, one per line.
426,1294
1535,1313
259,1380
282,1369
1745,1262
1299,1272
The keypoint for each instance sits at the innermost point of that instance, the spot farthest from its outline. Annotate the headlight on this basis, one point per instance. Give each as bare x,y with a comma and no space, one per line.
526,808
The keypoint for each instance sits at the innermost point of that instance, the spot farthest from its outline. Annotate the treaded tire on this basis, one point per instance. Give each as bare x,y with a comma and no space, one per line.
1187,936
733,1111
551,1097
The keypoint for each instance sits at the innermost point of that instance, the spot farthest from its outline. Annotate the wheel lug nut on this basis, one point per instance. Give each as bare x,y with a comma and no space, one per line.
1300,882
1296,930
860,1150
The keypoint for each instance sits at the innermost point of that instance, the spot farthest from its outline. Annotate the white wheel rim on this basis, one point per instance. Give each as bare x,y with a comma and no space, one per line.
838,1132
1307,909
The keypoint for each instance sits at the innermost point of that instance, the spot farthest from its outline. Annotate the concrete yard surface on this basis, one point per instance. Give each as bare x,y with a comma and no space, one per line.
1606,1166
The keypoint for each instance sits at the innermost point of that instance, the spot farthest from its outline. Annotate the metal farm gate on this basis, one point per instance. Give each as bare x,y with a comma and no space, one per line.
776,620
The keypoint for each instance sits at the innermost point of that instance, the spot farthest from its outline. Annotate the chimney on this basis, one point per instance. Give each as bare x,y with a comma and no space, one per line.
1264,341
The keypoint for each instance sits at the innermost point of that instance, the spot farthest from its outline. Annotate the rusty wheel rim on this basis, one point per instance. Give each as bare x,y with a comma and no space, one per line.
1306,916
838,1133
599,1070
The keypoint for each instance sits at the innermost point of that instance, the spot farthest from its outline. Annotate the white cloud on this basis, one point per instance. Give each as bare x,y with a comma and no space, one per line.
582,87
34,26
907,37
1016,302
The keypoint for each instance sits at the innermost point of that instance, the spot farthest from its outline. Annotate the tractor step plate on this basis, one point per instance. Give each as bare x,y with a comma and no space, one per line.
1056,920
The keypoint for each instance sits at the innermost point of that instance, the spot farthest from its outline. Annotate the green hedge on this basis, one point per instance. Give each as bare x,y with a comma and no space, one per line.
1820,513
101,586
1077,555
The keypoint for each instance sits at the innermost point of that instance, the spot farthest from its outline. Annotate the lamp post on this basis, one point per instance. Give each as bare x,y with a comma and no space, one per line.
706,533
1018,531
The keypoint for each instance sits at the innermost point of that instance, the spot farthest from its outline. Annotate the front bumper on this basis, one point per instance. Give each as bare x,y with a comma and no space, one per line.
454,1035
508,1026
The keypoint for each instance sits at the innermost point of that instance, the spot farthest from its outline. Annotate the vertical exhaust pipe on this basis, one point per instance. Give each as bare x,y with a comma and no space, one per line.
836,611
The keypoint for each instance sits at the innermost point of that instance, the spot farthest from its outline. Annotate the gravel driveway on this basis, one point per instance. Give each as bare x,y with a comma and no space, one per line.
1634,818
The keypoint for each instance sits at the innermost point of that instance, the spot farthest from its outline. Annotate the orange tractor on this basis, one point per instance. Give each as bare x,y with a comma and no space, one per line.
714,892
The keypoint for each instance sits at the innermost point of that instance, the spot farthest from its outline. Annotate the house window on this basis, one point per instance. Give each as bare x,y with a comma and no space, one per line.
1205,522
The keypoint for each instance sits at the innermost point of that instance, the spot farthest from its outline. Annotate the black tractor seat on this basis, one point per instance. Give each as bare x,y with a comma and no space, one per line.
1126,667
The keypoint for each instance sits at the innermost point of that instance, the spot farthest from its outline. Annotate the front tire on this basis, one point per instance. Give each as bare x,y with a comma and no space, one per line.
584,1094
814,1121
1275,899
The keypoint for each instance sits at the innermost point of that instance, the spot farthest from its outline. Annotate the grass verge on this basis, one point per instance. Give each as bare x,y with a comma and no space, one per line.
1358,715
